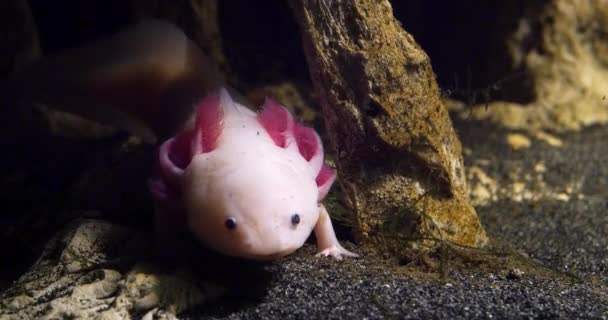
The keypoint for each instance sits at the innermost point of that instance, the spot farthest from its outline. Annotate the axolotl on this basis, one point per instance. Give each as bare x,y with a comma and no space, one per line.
247,184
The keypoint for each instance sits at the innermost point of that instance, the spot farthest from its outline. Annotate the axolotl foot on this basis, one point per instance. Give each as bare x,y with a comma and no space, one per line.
337,252
327,242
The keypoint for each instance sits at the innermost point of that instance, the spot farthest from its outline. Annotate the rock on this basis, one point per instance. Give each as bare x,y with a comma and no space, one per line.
399,159
549,139
483,188
518,141
514,274
560,48
115,170
90,271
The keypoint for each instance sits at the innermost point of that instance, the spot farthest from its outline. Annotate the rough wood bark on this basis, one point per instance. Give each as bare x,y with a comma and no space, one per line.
398,157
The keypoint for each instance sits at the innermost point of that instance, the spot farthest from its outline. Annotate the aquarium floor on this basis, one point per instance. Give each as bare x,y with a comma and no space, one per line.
558,266
565,236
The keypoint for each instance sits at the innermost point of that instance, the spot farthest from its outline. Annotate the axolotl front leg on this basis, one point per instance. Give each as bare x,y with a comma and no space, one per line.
327,242
277,120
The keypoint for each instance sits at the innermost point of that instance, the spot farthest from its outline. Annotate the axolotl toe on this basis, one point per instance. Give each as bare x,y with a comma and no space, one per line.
247,184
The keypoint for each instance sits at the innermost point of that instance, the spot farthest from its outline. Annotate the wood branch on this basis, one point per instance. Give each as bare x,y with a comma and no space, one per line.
398,157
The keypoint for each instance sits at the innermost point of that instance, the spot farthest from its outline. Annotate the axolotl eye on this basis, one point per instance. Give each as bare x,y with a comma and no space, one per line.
230,223
295,219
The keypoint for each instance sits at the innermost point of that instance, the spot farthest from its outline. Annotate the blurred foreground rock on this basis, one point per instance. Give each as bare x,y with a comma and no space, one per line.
90,271
560,49
399,159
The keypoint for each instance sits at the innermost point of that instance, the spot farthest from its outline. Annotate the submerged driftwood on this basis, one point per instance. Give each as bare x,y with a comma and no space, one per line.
398,156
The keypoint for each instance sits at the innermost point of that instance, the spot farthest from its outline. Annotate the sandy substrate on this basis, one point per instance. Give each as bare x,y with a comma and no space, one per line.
544,204
566,235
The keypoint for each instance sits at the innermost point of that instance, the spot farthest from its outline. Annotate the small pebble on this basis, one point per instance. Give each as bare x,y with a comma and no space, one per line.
518,141
515,274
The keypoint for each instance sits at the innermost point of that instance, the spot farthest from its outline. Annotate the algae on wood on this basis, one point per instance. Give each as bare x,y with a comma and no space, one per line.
398,157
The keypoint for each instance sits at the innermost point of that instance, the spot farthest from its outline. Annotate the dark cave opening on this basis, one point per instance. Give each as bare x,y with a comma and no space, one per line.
467,44
465,40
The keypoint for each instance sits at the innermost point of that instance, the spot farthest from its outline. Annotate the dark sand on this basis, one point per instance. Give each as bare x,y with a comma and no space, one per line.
565,276
564,236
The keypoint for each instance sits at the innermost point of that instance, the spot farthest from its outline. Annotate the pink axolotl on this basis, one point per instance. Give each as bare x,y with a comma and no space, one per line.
250,184
245,184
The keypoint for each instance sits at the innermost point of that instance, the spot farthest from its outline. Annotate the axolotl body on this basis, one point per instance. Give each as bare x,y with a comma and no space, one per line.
247,184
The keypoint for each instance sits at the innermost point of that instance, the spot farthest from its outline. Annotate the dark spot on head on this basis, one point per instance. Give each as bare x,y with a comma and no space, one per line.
230,223
295,219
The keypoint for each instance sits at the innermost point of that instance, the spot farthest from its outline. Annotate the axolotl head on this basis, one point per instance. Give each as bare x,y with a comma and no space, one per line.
248,184
251,211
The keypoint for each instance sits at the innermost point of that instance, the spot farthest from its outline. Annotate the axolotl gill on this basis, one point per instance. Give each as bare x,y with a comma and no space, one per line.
247,184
